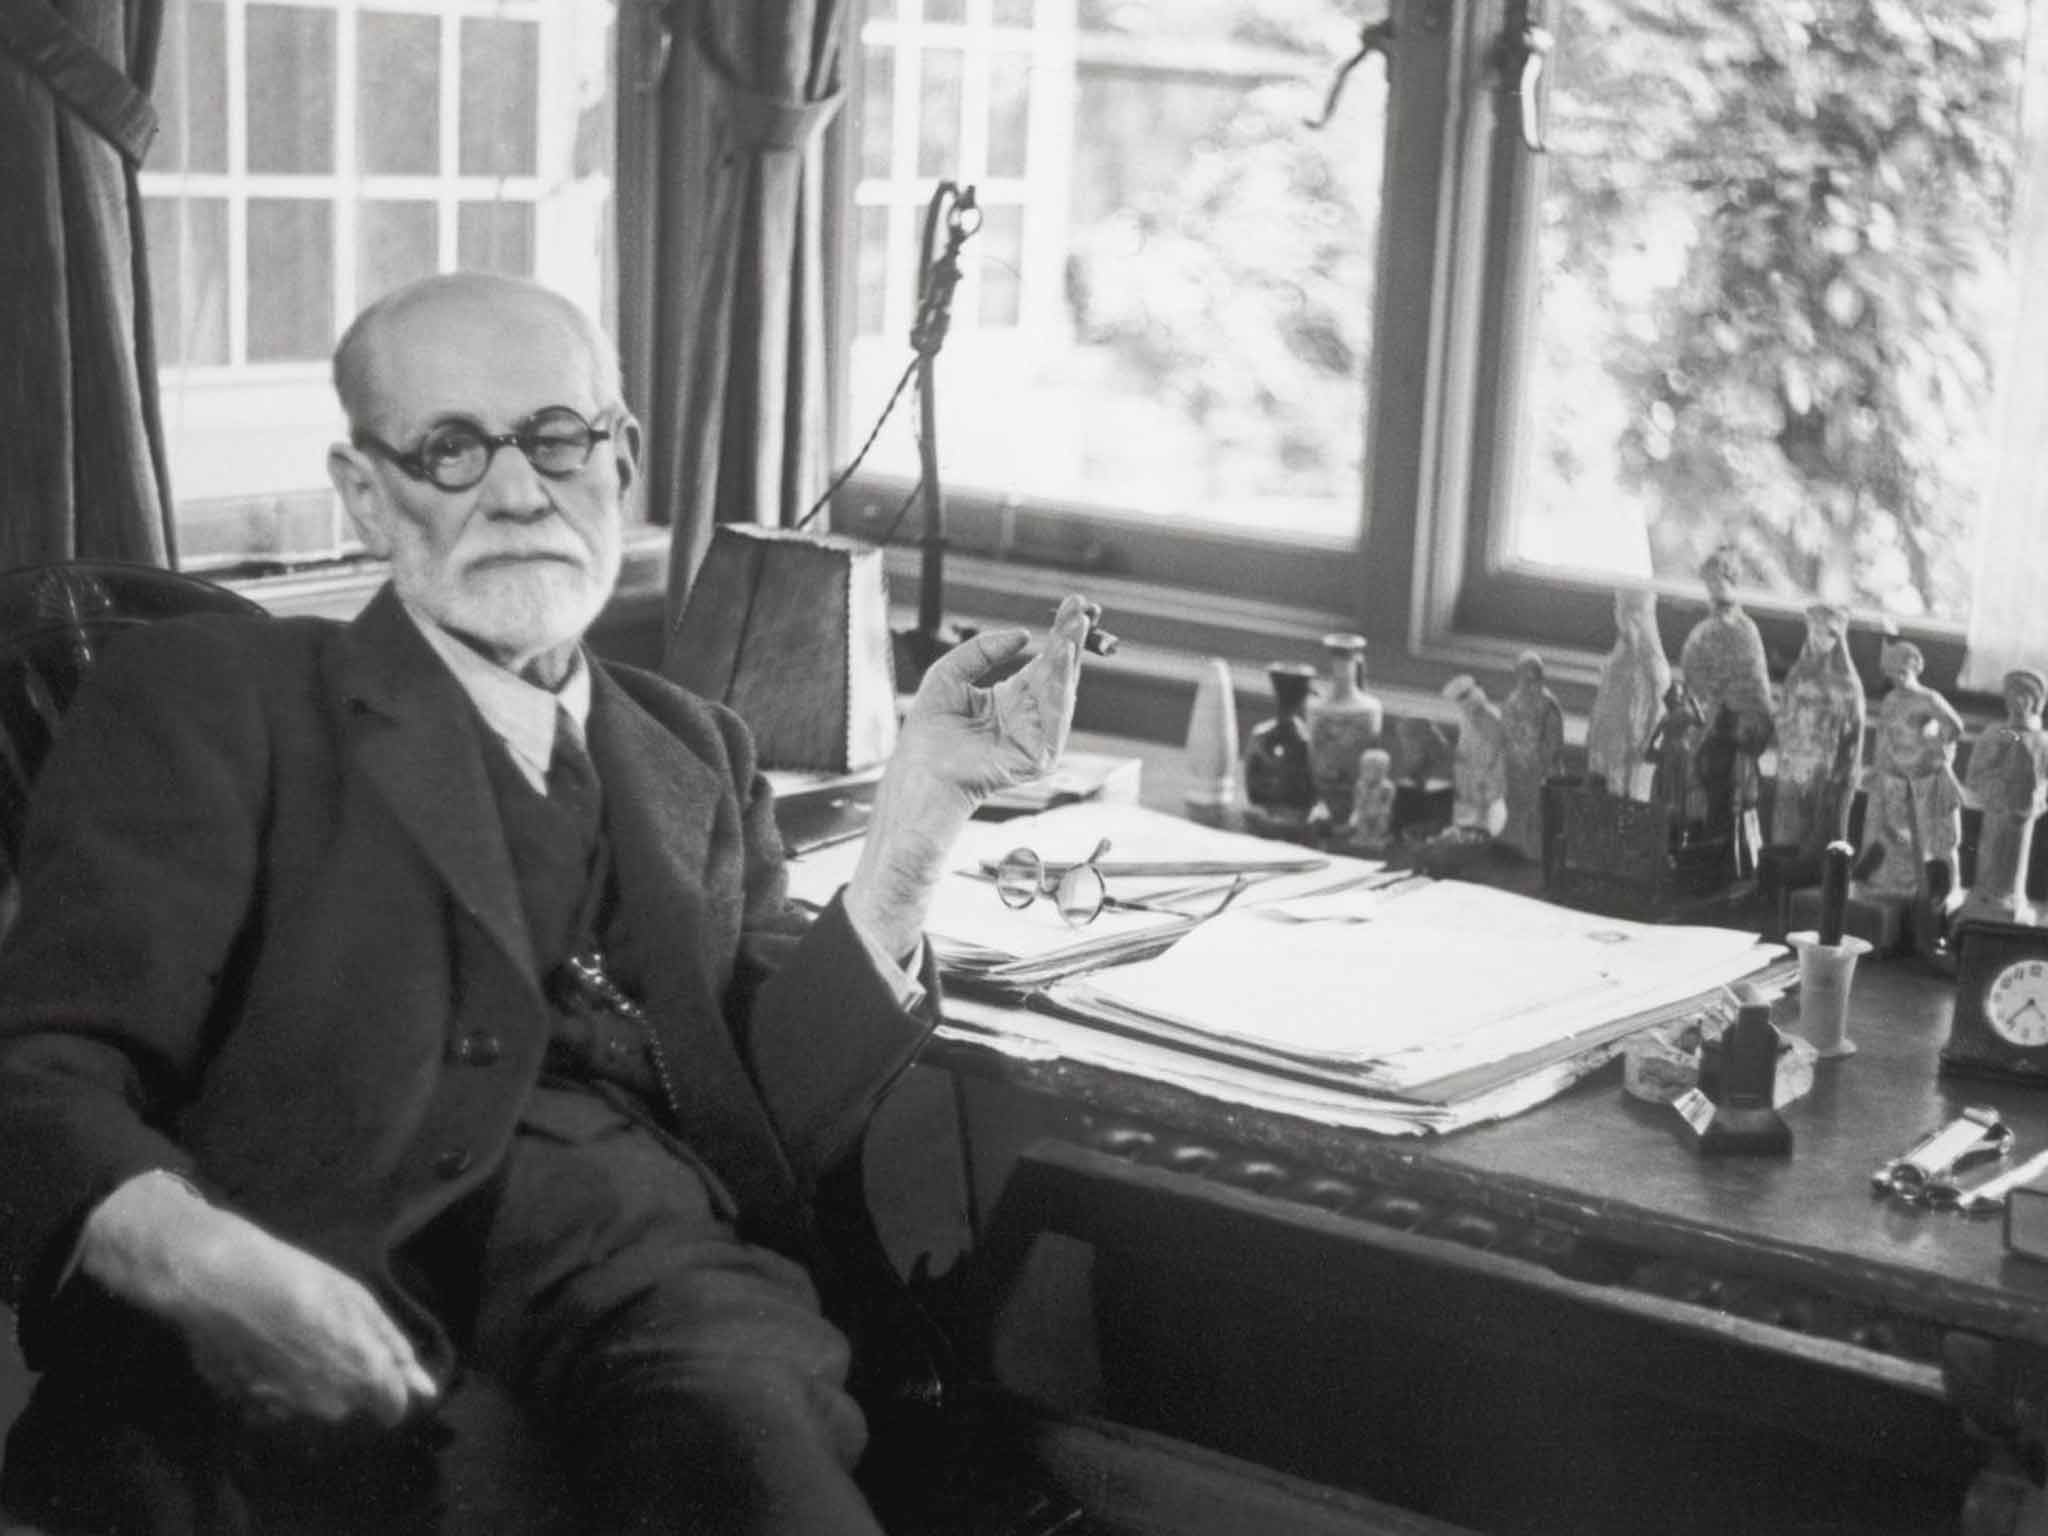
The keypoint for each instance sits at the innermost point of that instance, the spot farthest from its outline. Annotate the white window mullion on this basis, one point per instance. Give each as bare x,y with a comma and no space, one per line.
1048,173
451,139
348,177
236,31
905,221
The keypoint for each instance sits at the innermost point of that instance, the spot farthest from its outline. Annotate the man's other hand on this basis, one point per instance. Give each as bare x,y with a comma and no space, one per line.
963,739
280,1334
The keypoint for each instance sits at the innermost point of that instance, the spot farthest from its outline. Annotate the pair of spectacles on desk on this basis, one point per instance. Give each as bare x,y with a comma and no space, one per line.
1080,891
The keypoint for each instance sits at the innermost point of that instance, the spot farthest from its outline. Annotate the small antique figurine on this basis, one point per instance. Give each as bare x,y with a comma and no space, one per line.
2008,779
1722,662
1913,819
1479,765
1819,742
1532,733
1670,750
1372,801
1629,699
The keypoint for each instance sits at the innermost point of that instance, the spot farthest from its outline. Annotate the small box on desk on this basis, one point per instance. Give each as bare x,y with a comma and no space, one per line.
2026,1219
1604,852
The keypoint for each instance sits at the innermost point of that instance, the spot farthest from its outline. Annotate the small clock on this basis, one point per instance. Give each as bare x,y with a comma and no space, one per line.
2001,1016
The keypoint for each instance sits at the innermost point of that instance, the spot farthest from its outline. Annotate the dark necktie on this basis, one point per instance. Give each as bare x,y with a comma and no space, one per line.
572,779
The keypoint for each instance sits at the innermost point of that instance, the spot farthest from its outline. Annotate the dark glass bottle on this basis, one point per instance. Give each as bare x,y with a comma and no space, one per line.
1279,785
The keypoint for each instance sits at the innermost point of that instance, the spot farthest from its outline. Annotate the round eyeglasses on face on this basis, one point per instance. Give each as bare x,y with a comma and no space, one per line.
1078,892
456,455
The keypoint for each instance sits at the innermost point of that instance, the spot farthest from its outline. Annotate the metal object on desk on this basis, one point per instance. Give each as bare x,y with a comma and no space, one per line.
1738,1073
1975,1136
1987,1197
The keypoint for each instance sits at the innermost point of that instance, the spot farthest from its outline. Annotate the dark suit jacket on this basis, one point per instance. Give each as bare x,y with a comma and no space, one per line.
266,898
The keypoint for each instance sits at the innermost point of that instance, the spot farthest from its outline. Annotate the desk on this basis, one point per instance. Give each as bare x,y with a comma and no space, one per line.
1776,1292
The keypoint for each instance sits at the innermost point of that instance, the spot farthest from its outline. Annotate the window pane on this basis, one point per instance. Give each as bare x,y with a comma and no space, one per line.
1013,13
1009,113
1772,282
290,59
1001,265
496,237
395,244
871,276
877,111
945,10
398,94
191,89
291,280
188,245
1176,320
500,95
939,110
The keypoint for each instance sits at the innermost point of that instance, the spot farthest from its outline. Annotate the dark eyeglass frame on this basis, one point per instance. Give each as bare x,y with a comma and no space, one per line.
528,437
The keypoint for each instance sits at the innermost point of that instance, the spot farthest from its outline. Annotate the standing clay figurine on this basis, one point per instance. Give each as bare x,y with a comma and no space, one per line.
1629,700
1913,819
1532,732
1479,765
2009,781
1819,740
1723,665
1343,720
1372,800
1670,752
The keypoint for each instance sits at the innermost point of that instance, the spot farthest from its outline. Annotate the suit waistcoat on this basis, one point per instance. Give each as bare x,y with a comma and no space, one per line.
570,899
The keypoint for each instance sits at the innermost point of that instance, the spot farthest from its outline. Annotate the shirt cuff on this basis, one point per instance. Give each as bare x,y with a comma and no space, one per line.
899,975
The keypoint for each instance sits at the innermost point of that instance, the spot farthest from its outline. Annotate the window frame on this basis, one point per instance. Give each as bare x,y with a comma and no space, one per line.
1429,582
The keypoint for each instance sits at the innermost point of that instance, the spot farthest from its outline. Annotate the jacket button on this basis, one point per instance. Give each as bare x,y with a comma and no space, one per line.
479,1048
453,1163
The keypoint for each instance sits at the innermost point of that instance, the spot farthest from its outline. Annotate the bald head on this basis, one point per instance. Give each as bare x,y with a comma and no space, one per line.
455,316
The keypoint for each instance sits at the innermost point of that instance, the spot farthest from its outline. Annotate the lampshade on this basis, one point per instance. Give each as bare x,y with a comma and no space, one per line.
792,630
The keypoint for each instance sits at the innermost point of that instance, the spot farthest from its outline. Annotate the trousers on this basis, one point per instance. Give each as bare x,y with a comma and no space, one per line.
632,1366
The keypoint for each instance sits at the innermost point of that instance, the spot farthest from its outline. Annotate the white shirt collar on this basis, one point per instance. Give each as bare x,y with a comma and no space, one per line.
519,713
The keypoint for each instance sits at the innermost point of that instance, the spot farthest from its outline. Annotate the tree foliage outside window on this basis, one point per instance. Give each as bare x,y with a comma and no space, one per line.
1773,270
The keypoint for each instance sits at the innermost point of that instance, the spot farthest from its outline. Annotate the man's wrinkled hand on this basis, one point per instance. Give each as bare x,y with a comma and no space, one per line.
972,737
964,738
280,1334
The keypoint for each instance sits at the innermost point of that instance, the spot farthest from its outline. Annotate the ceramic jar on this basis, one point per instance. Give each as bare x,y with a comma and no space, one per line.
1343,720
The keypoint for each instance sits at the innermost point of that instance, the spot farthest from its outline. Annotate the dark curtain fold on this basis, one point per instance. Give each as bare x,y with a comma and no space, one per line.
82,470
735,307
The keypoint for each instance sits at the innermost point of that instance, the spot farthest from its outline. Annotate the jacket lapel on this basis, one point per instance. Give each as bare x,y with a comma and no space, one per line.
668,847
414,732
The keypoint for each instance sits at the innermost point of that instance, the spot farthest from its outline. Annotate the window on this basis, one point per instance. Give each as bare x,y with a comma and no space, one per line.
1405,372
1773,271
314,156
1163,320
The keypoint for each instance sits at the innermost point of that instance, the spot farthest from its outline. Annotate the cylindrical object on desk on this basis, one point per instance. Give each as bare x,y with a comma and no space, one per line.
1212,794
1826,972
1835,860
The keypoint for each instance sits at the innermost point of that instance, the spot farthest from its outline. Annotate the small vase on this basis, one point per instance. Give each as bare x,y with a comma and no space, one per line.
1278,783
1342,722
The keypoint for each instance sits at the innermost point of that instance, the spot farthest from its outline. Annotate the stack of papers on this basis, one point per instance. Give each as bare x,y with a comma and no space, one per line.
1330,987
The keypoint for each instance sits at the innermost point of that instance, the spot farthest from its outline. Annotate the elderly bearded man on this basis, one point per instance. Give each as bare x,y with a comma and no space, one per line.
418,997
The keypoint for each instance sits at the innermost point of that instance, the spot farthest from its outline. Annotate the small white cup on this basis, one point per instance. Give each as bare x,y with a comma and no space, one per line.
1825,974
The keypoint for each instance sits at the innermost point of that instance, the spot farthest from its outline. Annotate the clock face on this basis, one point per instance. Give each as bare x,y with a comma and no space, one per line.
2016,1003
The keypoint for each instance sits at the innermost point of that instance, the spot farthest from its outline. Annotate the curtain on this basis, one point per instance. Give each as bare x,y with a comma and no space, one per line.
2008,614
734,300
82,471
